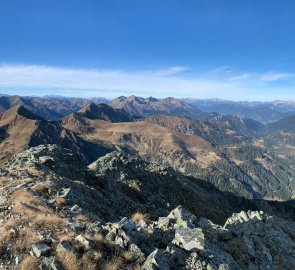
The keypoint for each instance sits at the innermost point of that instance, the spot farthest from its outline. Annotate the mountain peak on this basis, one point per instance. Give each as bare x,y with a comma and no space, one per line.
20,110
104,112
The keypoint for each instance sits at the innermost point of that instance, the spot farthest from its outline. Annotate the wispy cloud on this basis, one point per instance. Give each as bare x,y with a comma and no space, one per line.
273,76
221,82
221,70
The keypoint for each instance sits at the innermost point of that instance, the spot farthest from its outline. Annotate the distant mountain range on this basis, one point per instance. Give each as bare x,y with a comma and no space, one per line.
56,107
151,106
239,155
264,112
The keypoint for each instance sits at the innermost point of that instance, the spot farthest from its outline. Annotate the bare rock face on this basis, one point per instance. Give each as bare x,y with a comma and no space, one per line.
40,249
156,261
268,241
189,239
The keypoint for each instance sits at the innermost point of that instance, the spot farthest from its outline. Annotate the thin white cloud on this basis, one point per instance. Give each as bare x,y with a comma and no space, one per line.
37,80
221,70
170,71
160,82
273,76
240,77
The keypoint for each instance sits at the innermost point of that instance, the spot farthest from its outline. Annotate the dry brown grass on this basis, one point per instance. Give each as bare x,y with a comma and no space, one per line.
87,263
24,202
19,241
5,181
127,256
62,214
97,256
69,261
51,220
25,239
40,187
59,202
149,231
82,217
4,239
66,236
97,240
135,267
34,172
16,222
138,216
115,263
29,263
24,195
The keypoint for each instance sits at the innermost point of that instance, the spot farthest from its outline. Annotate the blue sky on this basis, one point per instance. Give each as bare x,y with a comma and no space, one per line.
239,50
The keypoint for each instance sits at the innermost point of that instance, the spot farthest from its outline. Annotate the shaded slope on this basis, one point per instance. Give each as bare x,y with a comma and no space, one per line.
104,112
214,132
249,171
21,129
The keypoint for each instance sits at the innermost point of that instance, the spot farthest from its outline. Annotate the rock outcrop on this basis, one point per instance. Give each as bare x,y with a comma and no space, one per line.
55,213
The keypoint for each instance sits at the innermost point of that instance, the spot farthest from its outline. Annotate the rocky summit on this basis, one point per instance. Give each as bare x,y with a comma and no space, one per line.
124,213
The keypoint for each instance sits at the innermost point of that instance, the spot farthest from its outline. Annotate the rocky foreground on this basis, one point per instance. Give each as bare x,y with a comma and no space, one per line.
55,213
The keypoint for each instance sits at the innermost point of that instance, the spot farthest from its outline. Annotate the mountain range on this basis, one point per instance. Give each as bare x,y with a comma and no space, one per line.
213,151
144,183
264,112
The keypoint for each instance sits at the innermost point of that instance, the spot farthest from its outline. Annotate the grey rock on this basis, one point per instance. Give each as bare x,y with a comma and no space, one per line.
127,225
264,241
183,218
20,186
214,231
189,239
177,257
46,159
136,253
17,260
76,209
165,222
156,261
65,192
122,239
52,263
78,226
142,224
111,235
40,249
84,241
65,246
3,199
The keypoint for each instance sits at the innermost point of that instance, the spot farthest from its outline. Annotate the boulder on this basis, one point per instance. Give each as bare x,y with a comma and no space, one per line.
40,249
136,253
156,261
76,209
52,263
84,241
183,218
127,225
122,239
65,246
46,159
165,222
214,231
189,239
3,199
